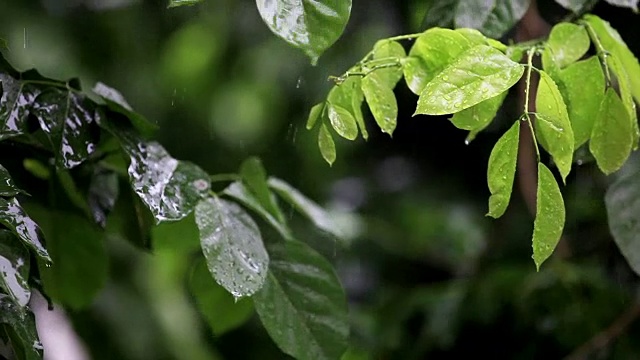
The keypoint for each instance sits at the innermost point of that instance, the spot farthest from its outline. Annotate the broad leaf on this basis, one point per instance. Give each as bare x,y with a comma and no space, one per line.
326,145
381,101
342,122
392,52
623,208
116,102
7,187
583,91
348,95
567,43
254,178
432,52
320,218
15,219
302,305
552,123
480,73
232,245
502,169
14,268
221,311
612,135
311,26
314,114
15,105
631,4
492,17
479,116
21,330
550,216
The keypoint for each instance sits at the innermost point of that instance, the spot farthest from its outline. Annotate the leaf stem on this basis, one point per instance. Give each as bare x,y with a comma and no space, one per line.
224,177
600,50
342,78
526,115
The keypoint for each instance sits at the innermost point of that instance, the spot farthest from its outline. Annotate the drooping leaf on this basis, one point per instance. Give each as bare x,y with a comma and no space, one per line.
307,207
103,192
176,3
432,52
312,26
479,116
218,307
14,268
348,95
178,237
623,209
631,4
382,102
583,91
326,145
392,52
232,245
567,43
302,305
254,178
15,219
314,114
21,329
116,102
550,216
480,73
7,187
552,123
502,169
15,105
342,122
612,135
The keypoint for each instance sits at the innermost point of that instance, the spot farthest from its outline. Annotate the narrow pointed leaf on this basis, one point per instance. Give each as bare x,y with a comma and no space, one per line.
481,73
381,101
342,122
302,305
502,169
7,187
552,123
311,26
392,52
255,179
550,216
612,135
567,43
326,145
15,105
479,116
232,245
314,115
14,268
21,329
115,101
15,219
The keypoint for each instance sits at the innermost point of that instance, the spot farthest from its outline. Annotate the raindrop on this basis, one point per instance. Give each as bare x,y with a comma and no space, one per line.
467,142
299,82
25,38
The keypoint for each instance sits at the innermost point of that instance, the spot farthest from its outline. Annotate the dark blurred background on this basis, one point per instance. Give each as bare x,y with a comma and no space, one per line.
427,274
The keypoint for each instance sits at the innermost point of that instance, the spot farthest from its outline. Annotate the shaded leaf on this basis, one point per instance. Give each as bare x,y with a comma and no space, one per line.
631,4
552,123
502,169
492,17
473,13
255,179
611,138
342,122
550,216
326,145
15,219
116,102
575,6
381,101
15,105
479,116
7,187
439,13
481,73
232,245
21,330
178,237
176,3
302,305
568,43
625,94
312,26
103,193
314,114
221,311
14,268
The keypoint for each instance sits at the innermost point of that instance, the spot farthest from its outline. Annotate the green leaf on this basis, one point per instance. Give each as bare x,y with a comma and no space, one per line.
15,219
176,3
502,169
302,305
132,220
14,268
307,207
631,4
473,13
7,187
626,95
21,328
103,193
392,52
254,178
342,122
623,209
550,216
382,102
218,307
480,73
432,52
178,237
15,105
479,116
611,138
575,6
493,18
583,90
568,43
552,123
440,13
348,95
117,103
314,114
326,145
232,245
312,26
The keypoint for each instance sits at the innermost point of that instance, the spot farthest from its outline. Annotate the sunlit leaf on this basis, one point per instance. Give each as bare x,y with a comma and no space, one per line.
314,115
502,169
116,102
381,101
550,216
479,116
21,330
567,43
342,122
302,305
481,73
623,208
15,105
348,95
326,145
232,245
612,135
552,123
392,52
309,25
14,268
15,219
221,311
7,187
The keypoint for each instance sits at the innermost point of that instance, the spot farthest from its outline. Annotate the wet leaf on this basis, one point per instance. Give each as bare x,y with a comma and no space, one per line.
568,43
15,219
623,209
552,124
326,145
631,4
481,73
14,268
612,135
218,307
307,207
21,329
116,102
550,216
432,52
342,122
348,95
314,114
583,91
302,305
103,193
232,245
7,187
382,102
626,95
393,53
254,177
68,120
479,116
312,26
15,105
493,18
502,169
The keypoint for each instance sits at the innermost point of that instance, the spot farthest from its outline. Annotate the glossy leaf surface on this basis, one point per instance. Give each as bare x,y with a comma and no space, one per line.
15,105
22,330
342,122
502,169
568,43
7,186
326,144
479,116
15,219
550,216
14,268
115,101
381,101
612,135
